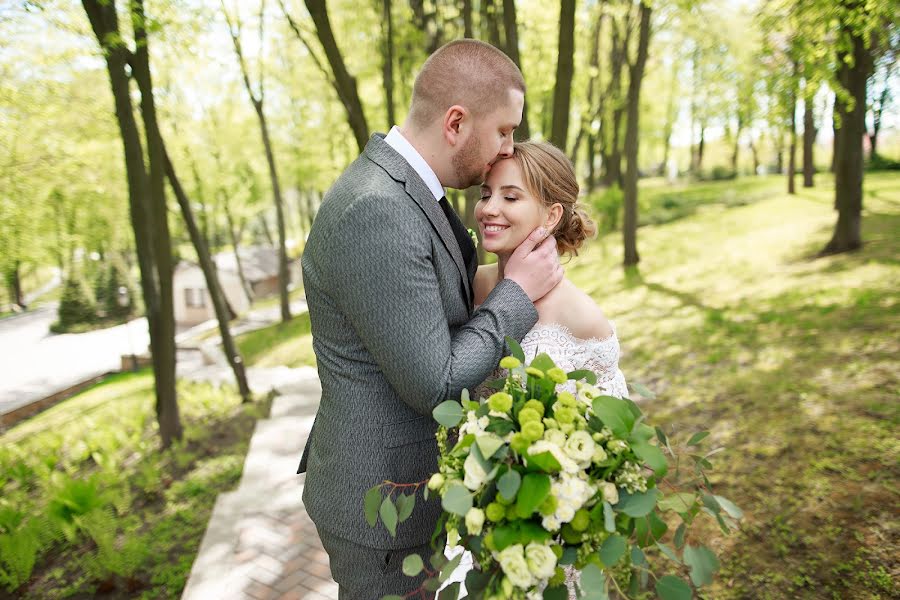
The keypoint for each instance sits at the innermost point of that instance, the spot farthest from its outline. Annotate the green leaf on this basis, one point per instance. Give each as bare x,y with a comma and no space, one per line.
588,376
448,568
388,514
431,584
451,592
711,503
730,507
695,439
515,349
653,456
413,565
637,505
543,362
612,550
405,505
703,563
593,582
457,500
680,502
500,426
668,552
448,413
670,587
488,444
609,517
614,412
535,489
679,536
392,597
642,390
649,529
509,483
556,592
544,461
371,503
505,536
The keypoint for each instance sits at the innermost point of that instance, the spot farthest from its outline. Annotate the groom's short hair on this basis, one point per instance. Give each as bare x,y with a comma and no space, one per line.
466,72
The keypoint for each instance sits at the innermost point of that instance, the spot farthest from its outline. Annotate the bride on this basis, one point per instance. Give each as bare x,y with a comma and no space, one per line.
537,187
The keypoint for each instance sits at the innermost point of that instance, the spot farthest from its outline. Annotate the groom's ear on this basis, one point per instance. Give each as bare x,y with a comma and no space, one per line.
454,123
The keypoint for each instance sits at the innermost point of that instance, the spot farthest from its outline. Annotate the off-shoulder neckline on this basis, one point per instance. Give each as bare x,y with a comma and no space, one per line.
568,333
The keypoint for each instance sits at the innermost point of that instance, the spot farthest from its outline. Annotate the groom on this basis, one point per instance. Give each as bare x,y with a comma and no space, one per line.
388,271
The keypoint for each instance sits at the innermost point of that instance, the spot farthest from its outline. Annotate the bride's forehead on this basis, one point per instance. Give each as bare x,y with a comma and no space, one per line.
503,172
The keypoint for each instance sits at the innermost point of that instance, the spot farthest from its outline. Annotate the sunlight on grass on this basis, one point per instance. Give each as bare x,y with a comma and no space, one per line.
280,344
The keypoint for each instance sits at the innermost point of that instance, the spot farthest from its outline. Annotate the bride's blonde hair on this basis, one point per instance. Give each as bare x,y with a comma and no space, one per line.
549,175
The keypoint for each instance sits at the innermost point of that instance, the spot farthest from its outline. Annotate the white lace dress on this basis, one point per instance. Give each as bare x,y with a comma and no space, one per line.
570,354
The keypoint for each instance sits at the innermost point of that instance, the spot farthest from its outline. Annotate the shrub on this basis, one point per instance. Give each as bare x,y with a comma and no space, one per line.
608,208
116,277
76,306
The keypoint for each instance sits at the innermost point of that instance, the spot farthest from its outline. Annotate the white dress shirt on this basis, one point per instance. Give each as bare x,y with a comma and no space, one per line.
395,140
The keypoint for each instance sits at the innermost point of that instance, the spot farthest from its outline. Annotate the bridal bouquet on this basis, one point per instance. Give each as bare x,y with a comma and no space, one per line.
549,476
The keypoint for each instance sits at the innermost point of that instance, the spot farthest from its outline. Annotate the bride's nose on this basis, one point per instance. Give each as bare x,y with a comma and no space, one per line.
490,207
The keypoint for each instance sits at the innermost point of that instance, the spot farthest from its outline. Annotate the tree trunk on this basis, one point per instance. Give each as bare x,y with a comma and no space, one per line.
588,114
591,156
836,133
700,148
104,23
848,172
755,152
636,75
565,67
510,24
212,283
387,62
809,138
490,24
14,282
737,147
792,148
345,83
468,30
164,355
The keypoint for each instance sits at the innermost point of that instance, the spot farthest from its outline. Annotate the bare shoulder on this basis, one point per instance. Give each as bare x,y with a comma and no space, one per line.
485,281
578,312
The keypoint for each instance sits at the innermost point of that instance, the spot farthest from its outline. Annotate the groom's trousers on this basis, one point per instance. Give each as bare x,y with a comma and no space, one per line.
364,573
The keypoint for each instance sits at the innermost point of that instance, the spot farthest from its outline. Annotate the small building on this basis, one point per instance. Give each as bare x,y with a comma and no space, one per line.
193,304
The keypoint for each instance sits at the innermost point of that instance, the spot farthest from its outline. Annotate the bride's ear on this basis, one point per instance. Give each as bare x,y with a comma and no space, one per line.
554,215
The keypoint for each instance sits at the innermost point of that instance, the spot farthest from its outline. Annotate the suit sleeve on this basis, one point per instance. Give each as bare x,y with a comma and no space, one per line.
382,276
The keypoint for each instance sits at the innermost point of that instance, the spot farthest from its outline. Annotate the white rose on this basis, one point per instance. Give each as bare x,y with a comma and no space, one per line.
475,475
580,446
609,491
512,562
541,560
474,521
565,512
551,523
555,436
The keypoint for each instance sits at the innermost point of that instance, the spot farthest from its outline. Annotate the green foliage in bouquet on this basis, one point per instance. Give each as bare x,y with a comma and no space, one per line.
535,479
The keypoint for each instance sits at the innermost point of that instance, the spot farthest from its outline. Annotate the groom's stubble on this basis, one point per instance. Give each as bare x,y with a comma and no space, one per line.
467,163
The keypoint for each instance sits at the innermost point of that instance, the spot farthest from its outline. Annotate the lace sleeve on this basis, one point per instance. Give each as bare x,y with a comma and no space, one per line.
602,357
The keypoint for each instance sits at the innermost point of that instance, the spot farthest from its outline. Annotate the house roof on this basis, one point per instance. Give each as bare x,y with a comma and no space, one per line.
258,262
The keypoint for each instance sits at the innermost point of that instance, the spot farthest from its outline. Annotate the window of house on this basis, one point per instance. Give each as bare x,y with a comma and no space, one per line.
195,297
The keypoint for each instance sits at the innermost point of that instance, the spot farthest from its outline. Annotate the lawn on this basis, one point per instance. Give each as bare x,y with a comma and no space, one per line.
288,344
792,362
89,498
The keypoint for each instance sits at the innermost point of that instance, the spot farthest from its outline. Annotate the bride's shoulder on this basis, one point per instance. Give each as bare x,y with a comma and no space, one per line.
579,313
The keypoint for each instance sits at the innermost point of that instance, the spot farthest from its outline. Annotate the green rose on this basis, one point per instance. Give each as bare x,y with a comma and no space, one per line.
509,362
526,415
536,405
534,372
495,512
541,560
557,375
533,430
500,401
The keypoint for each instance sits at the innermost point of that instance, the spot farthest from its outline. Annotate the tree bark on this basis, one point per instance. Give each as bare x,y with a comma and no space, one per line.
212,283
511,25
809,137
258,102
636,76
387,57
490,24
589,114
104,23
345,83
848,171
468,30
565,67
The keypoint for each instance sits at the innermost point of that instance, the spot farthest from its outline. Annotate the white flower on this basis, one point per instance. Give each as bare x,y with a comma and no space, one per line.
617,446
568,465
580,446
565,512
551,523
609,491
571,492
555,436
541,560
587,393
599,454
475,476
512,562
474,521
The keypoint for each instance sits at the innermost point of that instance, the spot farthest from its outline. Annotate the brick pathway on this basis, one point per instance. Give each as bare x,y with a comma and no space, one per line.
260,544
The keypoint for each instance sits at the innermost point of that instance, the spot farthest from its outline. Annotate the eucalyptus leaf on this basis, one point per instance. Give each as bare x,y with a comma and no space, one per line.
451,592
615,414
680,502
488,444
669,587
679,536
730,507
448,568
653,456
642,390
413,565
388,514
371,503
556,592
457,500
592,582
637,505
570,555
697,437
509,483
711,503
612,550
405,505
448,413
703,563
515,349
668,552
609,517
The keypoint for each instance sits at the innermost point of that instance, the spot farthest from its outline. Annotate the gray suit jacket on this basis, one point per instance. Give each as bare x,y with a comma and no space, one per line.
394,335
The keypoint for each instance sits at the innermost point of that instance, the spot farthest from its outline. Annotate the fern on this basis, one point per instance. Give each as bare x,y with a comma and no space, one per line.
111,557
18,554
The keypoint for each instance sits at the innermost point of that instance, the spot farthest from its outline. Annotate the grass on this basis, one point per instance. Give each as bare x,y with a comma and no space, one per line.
791,362
105,440
287,344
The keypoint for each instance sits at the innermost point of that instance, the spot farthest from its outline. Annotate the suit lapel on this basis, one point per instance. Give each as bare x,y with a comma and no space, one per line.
400,170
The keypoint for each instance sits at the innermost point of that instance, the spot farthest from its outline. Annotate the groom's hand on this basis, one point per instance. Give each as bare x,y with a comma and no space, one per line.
535,265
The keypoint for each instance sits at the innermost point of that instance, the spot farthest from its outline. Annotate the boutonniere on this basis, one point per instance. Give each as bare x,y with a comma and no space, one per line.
474,236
